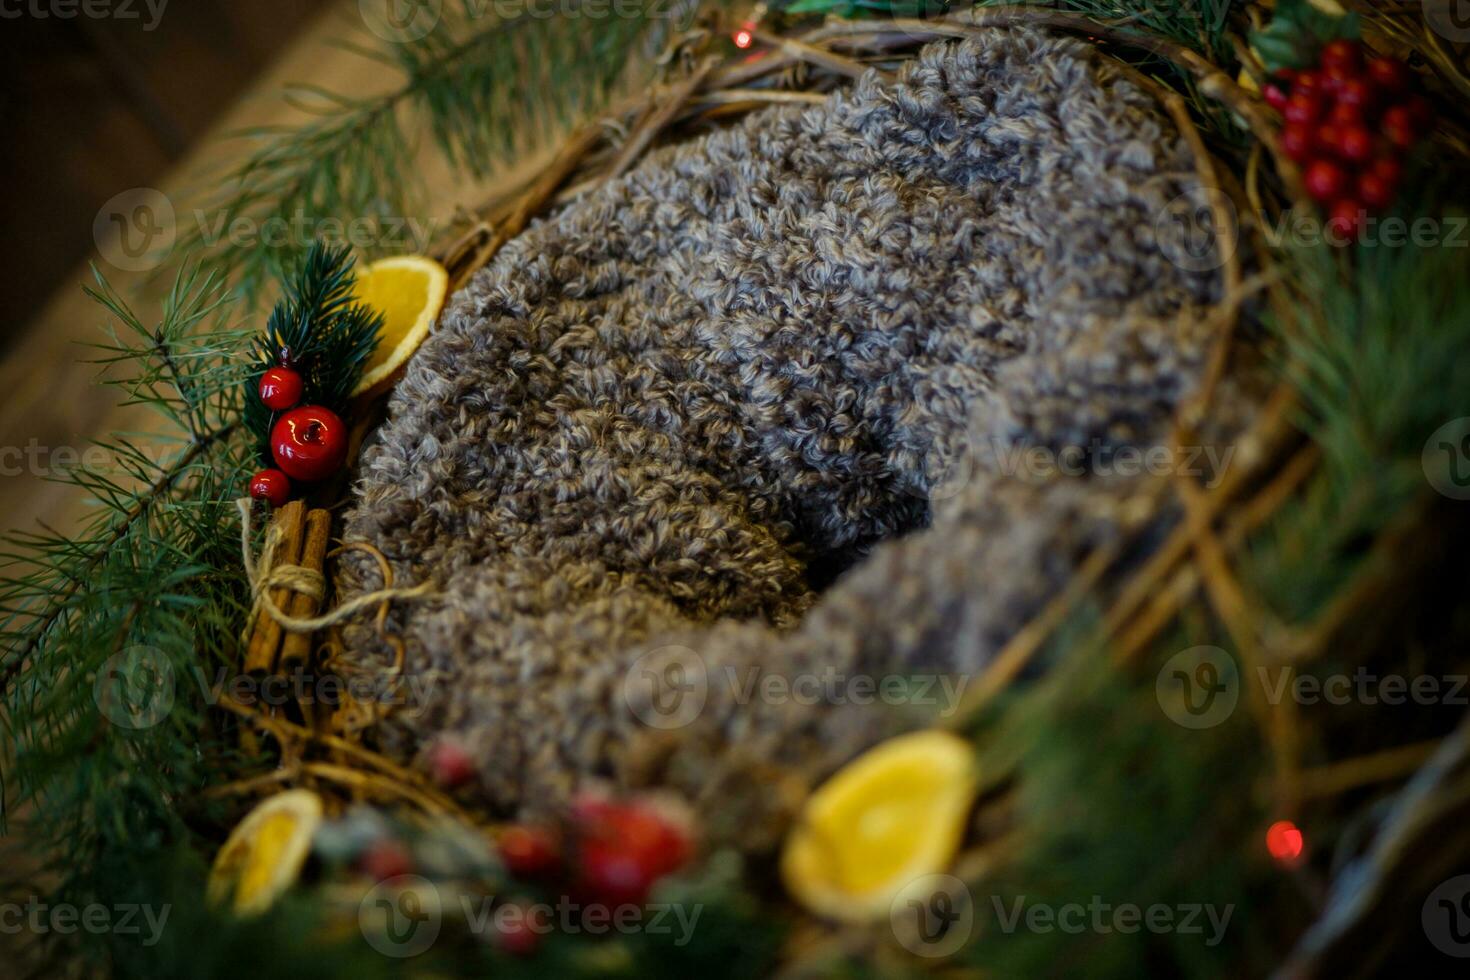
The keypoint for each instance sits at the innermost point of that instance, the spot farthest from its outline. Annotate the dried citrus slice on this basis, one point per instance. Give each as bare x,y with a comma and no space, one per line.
892,815
409,291
264,853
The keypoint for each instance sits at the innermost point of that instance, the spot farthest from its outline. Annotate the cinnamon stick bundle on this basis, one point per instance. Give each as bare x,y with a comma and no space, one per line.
265,640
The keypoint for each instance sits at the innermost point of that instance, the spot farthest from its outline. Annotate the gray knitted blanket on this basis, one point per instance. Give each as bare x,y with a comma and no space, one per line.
744,460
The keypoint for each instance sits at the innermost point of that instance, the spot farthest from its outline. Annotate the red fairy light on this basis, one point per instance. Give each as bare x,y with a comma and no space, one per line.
743,37
1285,842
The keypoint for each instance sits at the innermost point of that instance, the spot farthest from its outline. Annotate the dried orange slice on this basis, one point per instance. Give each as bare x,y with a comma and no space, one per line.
264,853
409,291
894,814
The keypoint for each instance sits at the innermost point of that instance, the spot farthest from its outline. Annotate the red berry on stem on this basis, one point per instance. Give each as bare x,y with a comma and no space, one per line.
280,389
1325,181
528,852
451,764
1354,143
1376,191
1307,82
1346,222
611,874
1399,127
386,858
1342,54
309,443
1298,141
271,485
1276,95
1389,74
1358,93
1303,107
1388,168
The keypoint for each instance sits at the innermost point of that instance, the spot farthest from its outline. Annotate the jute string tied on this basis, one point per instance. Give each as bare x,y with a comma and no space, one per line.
264,575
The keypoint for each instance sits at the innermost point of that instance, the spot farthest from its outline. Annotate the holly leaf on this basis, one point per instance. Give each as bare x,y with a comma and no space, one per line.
1297,33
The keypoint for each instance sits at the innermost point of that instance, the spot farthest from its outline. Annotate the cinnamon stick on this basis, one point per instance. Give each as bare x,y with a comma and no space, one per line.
265,641
296,650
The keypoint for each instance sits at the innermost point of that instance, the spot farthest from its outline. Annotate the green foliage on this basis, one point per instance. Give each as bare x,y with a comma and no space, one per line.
150,589
1297,32
1200,24
329,337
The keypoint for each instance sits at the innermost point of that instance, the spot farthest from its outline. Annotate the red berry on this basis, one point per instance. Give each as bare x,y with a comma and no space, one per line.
1329,135
1345,115
309,443
1376,191
610,874
1298,141
1398,125
1307,82
516,935
1276,95
1325,181
1356,92
528,852
1303,107
1354,143
1389,169
271,485
386,858
1342,54
1345,223
1389,74
280,388
451,764
1333,79
1287,75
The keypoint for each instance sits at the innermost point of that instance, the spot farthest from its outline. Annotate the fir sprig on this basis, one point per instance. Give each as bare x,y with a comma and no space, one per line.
487,87
320,330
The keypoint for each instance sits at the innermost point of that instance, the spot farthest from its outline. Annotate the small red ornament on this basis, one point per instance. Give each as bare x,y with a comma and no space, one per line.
1277,95
528,852
1343,55
386,858
1354,143
624,848
280,389
1325,181
309,443
1285,843
1345,224
1298,142
271,485
1303,108
1399,127
1376,190
1389,74
451,764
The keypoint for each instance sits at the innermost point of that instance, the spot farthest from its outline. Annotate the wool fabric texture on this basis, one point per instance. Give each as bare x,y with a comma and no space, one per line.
706,461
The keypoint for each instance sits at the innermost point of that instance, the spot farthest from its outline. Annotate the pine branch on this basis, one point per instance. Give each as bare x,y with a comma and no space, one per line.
486,87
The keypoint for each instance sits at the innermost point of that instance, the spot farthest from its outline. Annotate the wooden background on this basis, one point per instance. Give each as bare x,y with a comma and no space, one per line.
50,406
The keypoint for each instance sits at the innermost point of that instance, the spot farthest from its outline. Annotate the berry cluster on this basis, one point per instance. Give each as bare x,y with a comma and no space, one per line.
1349,123
308,442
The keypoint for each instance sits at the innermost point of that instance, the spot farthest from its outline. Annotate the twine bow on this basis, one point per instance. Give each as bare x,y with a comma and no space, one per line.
264,575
